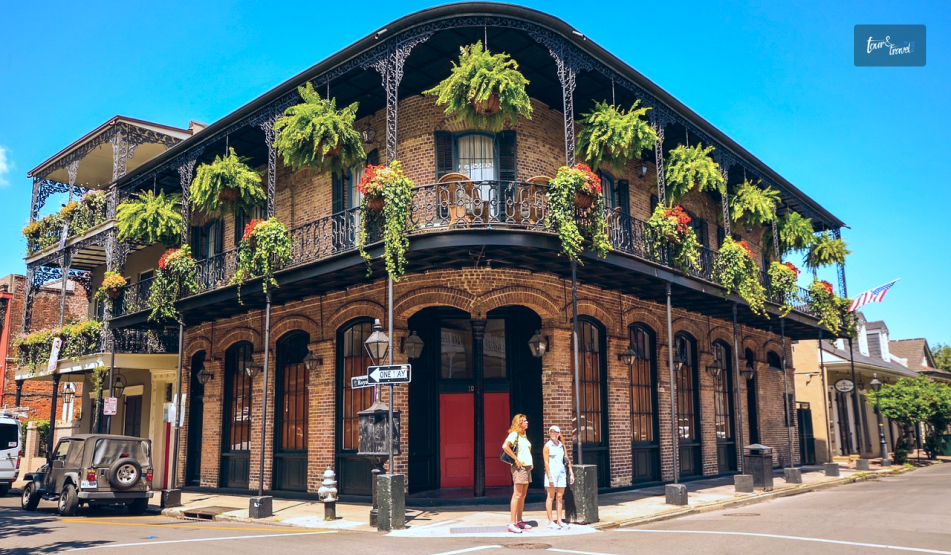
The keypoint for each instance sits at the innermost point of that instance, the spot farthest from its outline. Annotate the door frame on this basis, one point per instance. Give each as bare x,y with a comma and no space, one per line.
229,456
196,412
277,455
652,448
602,449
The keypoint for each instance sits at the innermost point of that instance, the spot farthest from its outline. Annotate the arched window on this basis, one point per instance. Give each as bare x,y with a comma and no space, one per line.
642,386
236,435
354,361
774,360
688,414
722,399
750,359
593,380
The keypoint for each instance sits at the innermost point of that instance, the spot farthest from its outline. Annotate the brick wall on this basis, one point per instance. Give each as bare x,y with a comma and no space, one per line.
477,291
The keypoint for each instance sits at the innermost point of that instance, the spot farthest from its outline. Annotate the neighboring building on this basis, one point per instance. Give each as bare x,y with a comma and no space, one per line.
483,276
915,354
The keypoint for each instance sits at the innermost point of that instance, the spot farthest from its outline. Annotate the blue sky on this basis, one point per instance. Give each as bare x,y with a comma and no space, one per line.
870,144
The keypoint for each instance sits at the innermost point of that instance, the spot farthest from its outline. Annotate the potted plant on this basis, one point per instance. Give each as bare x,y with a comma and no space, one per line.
782,279
576,210
90,213
315,134
389,186
825,251
177,276
751,205
79,338
735,269
484,90
669,228
848,321
795,234
265,247
691,169
112,286
226,182
613,135
825,304
150,219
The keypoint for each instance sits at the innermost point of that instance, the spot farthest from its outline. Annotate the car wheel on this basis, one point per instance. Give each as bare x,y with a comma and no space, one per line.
30,498
125,473
68,501
138,506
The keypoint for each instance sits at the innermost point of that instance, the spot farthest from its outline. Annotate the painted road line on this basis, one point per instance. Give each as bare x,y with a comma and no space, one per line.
797,538
187,527
469,549
203,540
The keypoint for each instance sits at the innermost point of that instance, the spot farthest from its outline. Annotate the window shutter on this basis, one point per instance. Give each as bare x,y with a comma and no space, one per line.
507,160
240,220
721,236
701,228
654,203
218,228
443,153
337,194
374,157
198,242
624,195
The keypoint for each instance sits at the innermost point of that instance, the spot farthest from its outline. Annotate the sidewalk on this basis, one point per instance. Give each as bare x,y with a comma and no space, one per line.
616,509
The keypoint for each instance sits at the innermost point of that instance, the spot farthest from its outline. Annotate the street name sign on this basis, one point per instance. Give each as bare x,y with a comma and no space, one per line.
393,374
358,382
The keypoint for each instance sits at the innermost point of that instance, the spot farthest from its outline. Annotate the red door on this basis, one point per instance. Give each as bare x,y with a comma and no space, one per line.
497,423
456,448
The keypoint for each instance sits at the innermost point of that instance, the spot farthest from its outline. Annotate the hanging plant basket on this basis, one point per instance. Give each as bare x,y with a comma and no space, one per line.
228,194
576,211
227,182
488,107
689,169
386,190
583,201
113,293
265,247
614,136
669,228
375,203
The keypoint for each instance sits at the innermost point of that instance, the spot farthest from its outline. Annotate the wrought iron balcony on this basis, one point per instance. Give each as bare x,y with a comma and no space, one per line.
443,207
94,341
76,219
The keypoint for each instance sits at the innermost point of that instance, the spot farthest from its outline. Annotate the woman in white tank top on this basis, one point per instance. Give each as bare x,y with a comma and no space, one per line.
557,477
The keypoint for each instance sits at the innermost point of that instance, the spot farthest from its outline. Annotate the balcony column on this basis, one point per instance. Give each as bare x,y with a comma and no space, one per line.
659,122
724,198
65,263
54,401
776,248
19,393
267,125
185,171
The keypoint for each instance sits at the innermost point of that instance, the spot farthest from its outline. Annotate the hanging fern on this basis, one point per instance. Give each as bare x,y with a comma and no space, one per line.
315,134
613,135
752,205
484,90
228,182
691,169
735,269
795,234
826,251
148,218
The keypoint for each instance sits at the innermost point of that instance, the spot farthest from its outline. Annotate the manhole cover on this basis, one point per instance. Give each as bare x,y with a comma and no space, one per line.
740,514
207,513
528,546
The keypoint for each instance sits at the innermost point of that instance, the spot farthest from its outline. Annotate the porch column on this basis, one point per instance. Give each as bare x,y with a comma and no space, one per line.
53,403
478,336
267,125
19,392
724,199
62,298
185,178
659,123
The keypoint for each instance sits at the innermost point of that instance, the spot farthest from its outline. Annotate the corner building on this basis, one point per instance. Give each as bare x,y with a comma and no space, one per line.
483,276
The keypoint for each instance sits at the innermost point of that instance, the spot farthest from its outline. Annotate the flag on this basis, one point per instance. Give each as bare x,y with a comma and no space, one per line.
871,296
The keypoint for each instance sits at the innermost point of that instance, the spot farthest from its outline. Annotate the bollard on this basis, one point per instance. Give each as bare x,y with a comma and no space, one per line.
392,499
793,475
261,507
328,494
676,494
832,469
862,464
171,498
585,492
743,483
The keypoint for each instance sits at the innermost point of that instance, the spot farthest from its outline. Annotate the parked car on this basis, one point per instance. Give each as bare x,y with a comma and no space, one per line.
93,469
10,451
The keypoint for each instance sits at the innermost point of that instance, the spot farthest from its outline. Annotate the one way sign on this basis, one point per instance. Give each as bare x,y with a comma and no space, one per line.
397,373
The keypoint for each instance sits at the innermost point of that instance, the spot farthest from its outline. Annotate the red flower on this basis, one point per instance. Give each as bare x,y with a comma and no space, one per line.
679,216
792,267
592,183
827,286
164,260
369,176
249,229
746,247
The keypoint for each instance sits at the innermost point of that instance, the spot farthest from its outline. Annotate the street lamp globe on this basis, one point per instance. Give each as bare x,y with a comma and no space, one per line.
378,343
538,345
413,345
628,356
875,384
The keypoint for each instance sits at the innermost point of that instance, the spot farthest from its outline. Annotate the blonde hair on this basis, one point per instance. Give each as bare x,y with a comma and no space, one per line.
517,423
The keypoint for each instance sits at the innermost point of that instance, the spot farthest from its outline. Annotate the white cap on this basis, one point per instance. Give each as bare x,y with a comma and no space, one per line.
554,429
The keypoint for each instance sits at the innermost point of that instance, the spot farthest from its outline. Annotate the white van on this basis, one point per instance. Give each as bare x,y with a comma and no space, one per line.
10,450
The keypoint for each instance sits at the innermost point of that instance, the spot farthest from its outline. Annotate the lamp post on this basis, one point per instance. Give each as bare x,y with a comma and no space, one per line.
377,345
876,386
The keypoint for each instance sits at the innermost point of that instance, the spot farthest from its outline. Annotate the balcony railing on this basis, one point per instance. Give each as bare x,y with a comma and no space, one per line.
93,342
76,219
483,205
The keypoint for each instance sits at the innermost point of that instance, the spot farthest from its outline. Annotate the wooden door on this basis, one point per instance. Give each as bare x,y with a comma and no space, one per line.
496,427
456,441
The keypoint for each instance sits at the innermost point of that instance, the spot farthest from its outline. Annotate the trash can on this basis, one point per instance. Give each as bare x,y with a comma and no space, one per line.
758,461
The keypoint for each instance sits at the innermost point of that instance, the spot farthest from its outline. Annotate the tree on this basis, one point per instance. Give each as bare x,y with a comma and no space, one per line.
942,356
911,401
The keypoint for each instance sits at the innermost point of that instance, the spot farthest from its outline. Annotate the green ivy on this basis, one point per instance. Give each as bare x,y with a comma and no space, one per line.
735,270
826,304
309,132
226,172
265,247
573,225
782,279
176,277
151,219
613,135
78,217
826,251
669,228
475,80
689,169
751,205
397,191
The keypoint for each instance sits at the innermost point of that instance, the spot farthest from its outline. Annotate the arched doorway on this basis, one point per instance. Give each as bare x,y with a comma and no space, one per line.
291,414
353,471
592,361
444,393
236,417
723,410
196,406
687,380
645,447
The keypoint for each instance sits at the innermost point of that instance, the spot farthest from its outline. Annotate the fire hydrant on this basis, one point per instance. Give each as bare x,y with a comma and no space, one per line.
328,494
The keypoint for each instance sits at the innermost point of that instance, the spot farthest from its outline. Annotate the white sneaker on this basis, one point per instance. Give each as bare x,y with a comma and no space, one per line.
554,526
513,528
563,525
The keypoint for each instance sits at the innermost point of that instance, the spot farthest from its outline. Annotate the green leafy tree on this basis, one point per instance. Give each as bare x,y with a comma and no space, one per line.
150,218
614,136
910,401
315,133
942,356
691,169
484,90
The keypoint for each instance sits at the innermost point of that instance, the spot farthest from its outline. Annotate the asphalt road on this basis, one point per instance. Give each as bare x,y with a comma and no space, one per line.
900,514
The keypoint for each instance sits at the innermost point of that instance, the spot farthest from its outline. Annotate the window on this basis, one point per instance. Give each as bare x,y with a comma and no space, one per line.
642,386
686,378
699,226
237,415
608,190
292,407
208,240
774,361
146,275
750,358
355,361
493,350
456,350
589,346
242,218
475,156
723,416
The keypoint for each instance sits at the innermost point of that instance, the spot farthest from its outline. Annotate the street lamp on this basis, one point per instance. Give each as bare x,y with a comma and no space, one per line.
378,343
538,345
204,376
680,354
629,356
641,169
748,371
253,370
311,361
413,345
69,392
118,386
876,386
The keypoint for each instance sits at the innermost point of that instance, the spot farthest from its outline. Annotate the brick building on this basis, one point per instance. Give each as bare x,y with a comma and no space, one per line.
484,277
